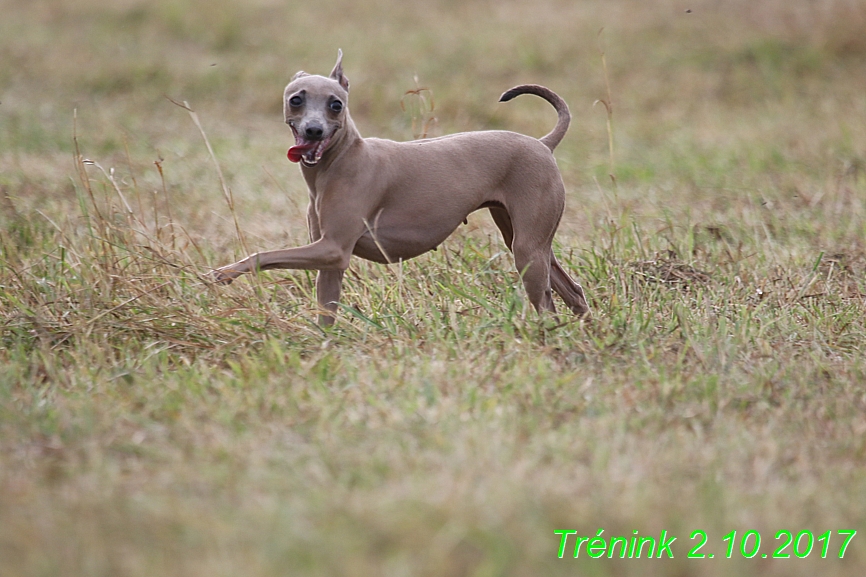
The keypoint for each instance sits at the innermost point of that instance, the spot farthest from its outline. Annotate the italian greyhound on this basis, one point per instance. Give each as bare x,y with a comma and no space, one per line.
389,201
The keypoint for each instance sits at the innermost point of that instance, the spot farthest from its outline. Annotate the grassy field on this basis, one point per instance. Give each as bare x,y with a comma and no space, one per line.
153,424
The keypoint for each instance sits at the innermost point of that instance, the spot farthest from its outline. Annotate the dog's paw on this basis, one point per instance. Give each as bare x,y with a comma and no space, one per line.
224,275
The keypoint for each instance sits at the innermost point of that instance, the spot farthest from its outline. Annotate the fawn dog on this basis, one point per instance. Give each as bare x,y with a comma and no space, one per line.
385,201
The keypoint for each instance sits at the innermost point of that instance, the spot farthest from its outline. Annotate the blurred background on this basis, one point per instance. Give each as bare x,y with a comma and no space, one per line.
153,425
713,95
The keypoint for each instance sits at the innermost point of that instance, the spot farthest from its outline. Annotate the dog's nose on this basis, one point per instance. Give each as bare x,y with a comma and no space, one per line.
314,132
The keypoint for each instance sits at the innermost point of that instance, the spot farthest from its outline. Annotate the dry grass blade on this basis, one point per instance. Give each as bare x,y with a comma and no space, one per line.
152,423
227,193
669,271
608,106
421,109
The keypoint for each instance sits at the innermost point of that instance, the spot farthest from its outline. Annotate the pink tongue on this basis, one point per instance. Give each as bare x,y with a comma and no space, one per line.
296,152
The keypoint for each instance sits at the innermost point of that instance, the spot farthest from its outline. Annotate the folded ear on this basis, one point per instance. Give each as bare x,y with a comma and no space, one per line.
299,74
337,72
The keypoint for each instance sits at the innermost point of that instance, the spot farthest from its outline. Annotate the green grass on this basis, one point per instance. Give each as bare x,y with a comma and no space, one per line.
154,424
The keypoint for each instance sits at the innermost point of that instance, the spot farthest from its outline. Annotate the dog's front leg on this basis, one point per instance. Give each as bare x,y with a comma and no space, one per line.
323,255
329,284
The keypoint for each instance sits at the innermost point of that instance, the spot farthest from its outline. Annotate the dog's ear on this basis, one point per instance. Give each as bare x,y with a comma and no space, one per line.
299,74
337,72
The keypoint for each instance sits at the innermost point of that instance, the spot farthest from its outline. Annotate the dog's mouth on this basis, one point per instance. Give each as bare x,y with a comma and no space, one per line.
308,152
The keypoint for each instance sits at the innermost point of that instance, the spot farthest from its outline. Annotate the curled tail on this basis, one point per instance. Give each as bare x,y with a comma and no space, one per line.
555,136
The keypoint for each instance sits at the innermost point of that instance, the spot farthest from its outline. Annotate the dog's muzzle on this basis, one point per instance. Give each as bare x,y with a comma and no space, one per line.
308,150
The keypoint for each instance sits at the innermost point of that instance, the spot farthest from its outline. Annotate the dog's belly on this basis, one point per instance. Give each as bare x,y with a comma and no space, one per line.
392,244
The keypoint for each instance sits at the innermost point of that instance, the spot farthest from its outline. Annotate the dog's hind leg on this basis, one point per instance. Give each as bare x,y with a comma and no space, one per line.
503,221
570,291
534,268
531,264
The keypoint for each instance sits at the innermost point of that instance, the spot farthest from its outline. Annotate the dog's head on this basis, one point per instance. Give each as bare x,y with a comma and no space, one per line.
315,109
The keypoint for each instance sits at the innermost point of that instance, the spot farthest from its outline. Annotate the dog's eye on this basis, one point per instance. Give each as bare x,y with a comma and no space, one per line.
336,106
296,101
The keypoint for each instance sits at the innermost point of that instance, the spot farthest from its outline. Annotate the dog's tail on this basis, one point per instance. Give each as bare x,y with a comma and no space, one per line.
555,136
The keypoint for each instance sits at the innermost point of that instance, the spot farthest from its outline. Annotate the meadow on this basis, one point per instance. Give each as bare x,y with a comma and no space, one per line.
152,423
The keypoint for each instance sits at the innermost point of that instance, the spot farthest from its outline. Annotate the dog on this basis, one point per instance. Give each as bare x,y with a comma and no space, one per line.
389,201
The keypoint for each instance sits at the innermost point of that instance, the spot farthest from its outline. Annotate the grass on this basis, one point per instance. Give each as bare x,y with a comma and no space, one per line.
153,424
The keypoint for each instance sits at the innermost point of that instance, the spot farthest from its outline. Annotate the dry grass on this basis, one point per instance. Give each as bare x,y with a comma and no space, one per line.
152,424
